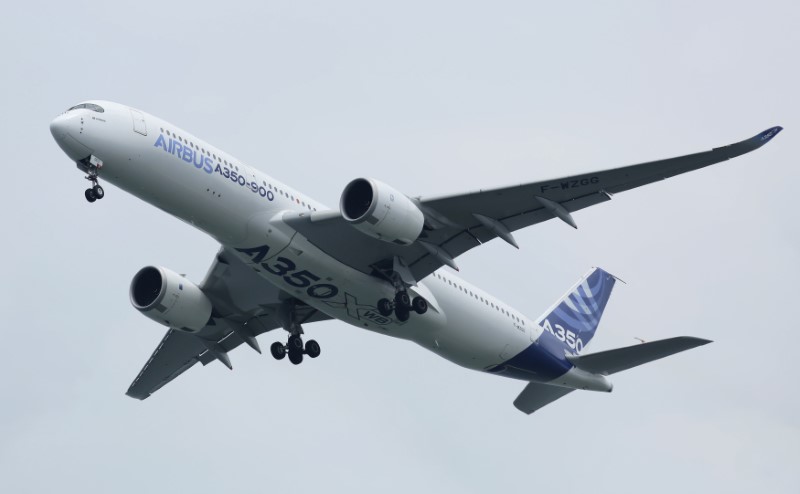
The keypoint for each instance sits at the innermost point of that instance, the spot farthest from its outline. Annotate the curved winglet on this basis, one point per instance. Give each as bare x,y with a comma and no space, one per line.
754,142
768,134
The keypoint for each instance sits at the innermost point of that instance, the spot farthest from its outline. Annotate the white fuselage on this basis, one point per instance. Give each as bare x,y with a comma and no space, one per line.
242,207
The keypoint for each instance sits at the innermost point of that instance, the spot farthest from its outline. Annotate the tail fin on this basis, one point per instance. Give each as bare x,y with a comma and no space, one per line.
574,318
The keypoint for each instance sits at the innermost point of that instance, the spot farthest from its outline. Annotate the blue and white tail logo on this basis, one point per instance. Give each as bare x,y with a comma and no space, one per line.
574,318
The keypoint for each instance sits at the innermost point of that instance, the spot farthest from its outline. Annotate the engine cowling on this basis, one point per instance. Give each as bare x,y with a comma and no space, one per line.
170,299
380,211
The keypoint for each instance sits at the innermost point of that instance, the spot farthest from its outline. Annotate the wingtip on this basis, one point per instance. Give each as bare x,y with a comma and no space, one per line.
768,134
697,341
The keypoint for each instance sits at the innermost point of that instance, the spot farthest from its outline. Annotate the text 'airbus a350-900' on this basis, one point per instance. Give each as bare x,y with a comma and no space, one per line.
383,261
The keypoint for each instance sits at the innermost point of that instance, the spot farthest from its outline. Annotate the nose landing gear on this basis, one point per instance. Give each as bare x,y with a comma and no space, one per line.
92,165
94,193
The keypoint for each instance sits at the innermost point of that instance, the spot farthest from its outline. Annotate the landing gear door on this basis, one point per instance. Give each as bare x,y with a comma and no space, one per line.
139,125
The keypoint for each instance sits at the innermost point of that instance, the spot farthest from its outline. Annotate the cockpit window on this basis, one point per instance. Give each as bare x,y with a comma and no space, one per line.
88,106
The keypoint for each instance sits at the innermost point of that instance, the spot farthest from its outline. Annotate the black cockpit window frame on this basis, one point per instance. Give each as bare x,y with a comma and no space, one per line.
88,106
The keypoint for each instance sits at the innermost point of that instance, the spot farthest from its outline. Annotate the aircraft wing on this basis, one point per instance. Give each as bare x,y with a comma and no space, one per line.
457,223
245,306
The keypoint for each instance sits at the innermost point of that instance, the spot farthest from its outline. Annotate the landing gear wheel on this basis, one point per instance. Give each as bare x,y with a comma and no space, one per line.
89,194
385,307
312,349
402,300
420,305
278,350
98,191
401,313
295,344
295,349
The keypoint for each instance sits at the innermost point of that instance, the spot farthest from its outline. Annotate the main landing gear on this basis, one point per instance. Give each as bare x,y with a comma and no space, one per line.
402,305
295,349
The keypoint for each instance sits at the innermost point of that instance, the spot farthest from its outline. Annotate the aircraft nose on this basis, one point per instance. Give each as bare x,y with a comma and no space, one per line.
60,127
66,130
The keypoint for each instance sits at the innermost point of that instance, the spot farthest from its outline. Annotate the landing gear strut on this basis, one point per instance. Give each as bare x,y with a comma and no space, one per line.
402,306
294,348
95,192
401,277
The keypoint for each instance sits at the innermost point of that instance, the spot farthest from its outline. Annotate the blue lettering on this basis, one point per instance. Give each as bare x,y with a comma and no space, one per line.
205,163
195,160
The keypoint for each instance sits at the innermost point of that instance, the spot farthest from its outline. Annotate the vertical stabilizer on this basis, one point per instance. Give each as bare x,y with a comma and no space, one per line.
574,318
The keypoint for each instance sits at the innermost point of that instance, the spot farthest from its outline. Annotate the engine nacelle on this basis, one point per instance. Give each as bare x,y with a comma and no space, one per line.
381,211
170,299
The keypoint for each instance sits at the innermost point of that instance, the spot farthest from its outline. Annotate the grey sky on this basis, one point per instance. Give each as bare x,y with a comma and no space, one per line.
432,98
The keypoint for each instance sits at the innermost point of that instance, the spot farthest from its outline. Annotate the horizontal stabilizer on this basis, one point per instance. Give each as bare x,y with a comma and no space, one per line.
620,359
536,395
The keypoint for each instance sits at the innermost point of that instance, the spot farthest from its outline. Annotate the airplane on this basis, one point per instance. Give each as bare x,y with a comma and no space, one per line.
378,262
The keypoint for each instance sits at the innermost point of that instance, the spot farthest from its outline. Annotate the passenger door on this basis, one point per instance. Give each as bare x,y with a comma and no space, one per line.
139,125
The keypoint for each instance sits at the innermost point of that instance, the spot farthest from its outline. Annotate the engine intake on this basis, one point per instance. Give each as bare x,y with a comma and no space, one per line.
170,299
380,211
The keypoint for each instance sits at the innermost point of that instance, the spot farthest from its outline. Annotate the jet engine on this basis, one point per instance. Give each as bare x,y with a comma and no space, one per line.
380,211
170,299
